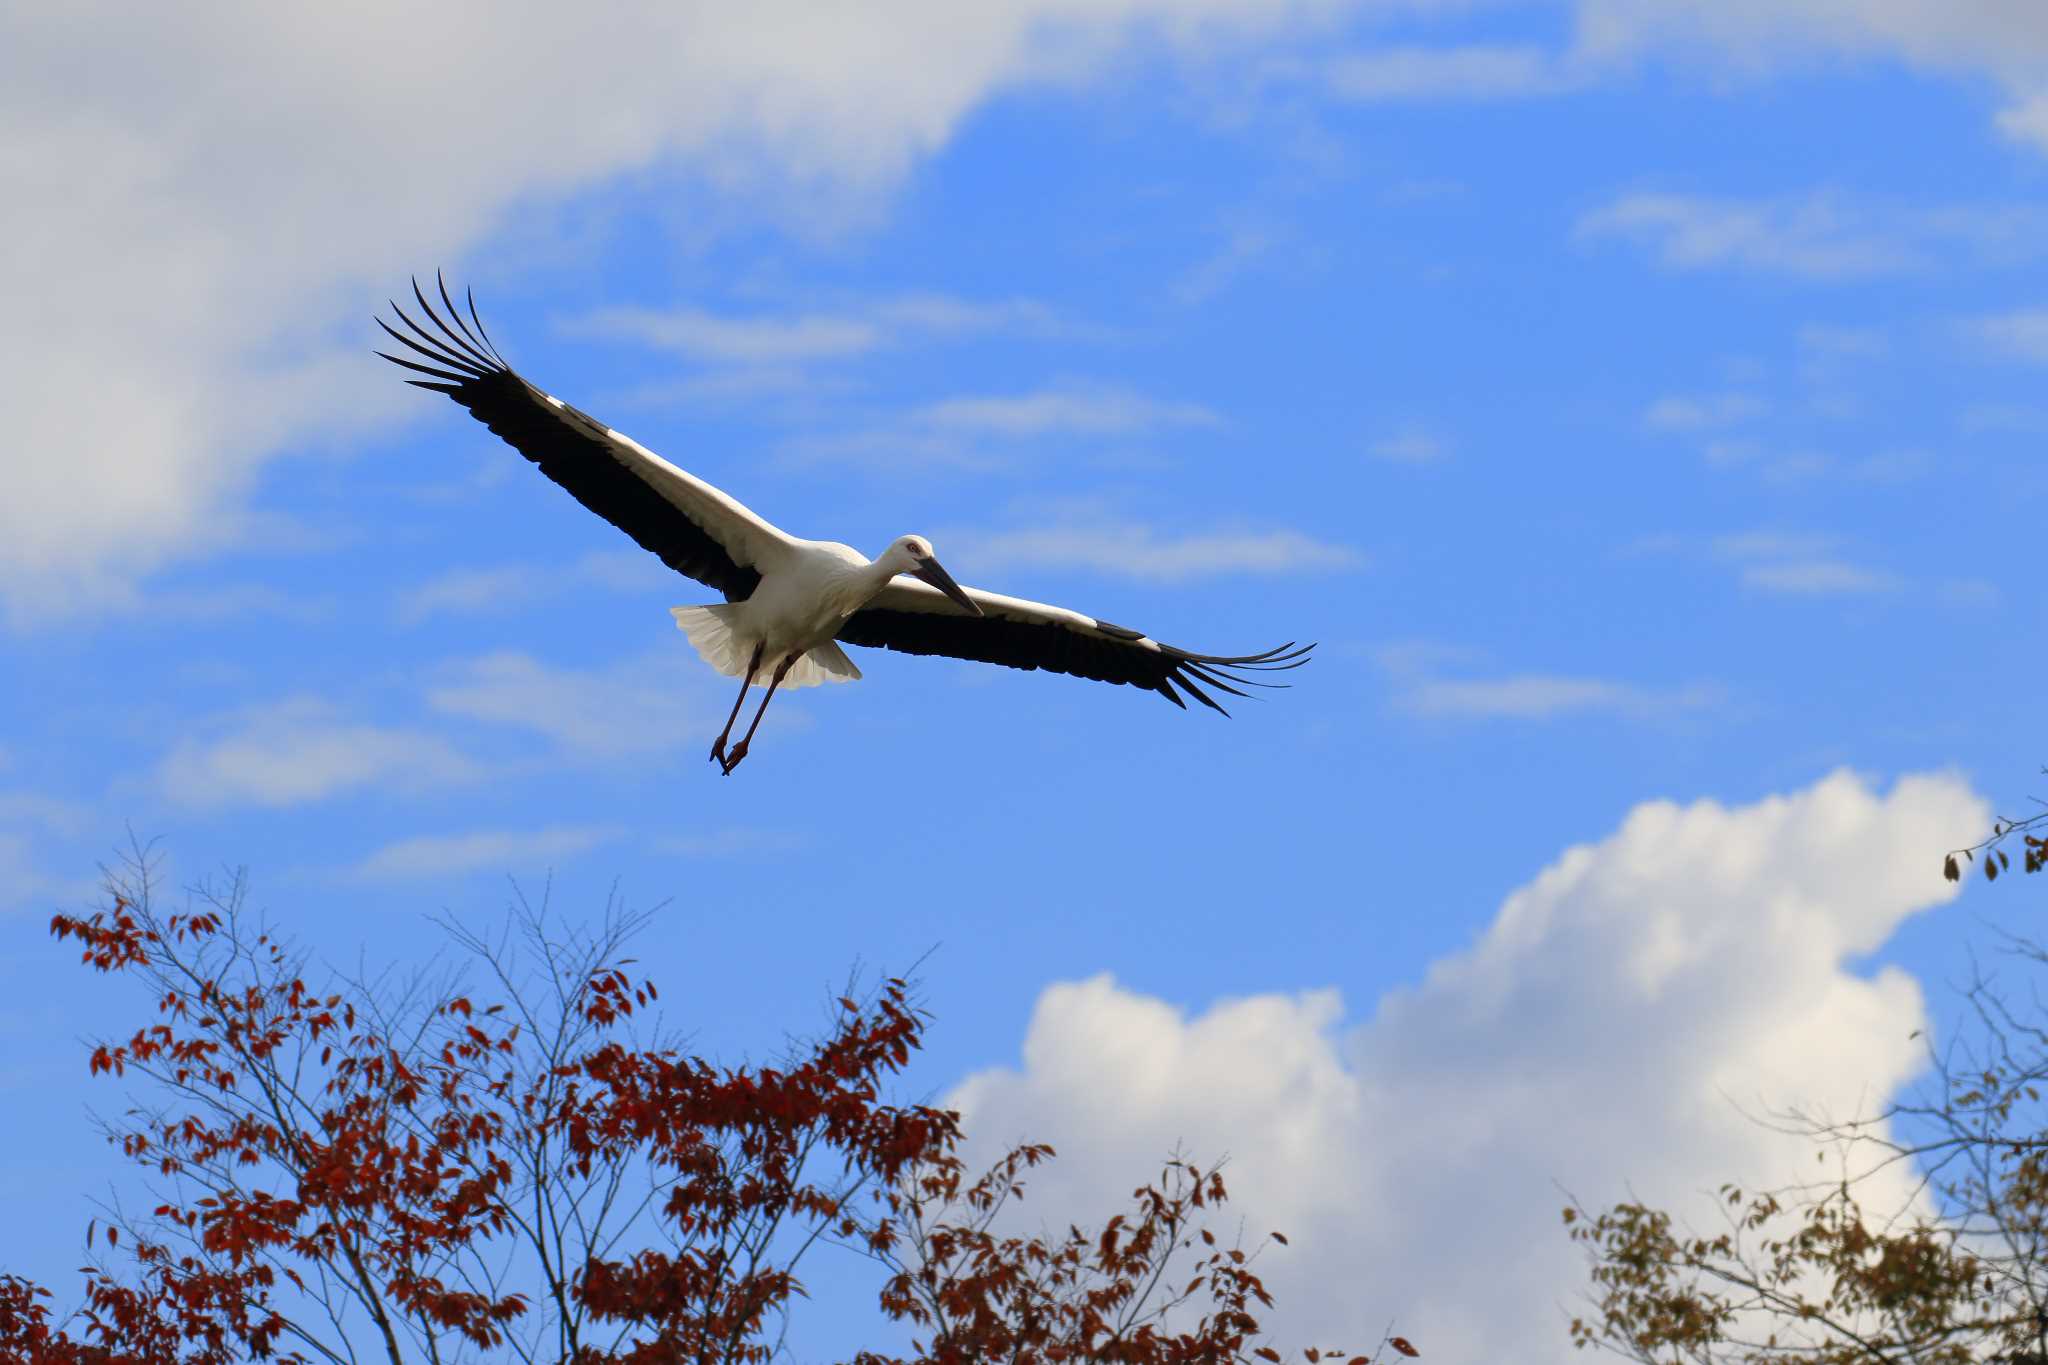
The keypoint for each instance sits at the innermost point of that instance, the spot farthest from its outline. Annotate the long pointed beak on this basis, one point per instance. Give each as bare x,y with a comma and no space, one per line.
931,573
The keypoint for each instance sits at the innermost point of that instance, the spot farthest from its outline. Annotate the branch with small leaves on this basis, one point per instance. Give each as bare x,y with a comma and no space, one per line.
1988,853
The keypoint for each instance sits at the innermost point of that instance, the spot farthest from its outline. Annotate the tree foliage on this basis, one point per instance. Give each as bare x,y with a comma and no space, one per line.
1809,1274
409,1170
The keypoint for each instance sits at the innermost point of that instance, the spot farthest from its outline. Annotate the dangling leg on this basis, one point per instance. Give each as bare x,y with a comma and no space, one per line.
739,750
718,745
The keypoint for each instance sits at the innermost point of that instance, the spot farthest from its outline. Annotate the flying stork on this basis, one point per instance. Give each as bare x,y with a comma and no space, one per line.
789,603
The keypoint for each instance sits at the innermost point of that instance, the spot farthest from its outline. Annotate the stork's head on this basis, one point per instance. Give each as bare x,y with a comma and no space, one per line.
913,555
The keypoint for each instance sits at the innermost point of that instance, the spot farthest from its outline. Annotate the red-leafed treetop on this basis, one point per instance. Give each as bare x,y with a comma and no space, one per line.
359,1171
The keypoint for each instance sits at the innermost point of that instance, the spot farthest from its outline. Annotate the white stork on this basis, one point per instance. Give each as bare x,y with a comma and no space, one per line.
789,602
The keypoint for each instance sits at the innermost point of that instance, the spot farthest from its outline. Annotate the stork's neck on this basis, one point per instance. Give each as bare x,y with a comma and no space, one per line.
859,586
877,574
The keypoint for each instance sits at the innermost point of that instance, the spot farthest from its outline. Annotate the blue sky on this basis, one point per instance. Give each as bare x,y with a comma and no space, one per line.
1638,404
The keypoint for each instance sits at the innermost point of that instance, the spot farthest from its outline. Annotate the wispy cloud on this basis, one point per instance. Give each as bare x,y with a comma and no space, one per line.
766,339
703,335
1244,247
633,707
503,587
1818,577
301,750
1074,409
1448,73
1417,669
1541,696
2004,417
1823,341
53,813
1702,412
1821,236
1410,444
733,842
889,448
1799,564
1130,549
974,431
2022,334
441,855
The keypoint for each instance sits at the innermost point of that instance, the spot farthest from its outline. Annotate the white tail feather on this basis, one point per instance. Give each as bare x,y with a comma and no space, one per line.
711,633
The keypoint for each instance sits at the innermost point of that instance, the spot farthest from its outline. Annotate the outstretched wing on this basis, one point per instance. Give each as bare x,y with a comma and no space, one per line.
916,619
694,528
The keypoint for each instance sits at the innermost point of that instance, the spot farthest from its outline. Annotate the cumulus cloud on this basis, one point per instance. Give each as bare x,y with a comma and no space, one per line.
202,195
1605,1034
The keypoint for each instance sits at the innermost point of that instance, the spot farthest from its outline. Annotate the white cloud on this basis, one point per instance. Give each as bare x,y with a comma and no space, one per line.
762,342
1409,445
1417,669
1084,410
1799,564
1815,237
2008,42
2004,417
258,178
1602,1036
1430,73
2005,39
462,592
441,855
1821,341
1820,236
1754,545
22,881
734,842
1129,549
52,813
889,449
1540,696
2022,334
981,431
301,750
637,706
752,341
1702,412
1245,246
2027,122
1818,577
949,315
